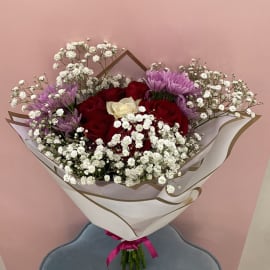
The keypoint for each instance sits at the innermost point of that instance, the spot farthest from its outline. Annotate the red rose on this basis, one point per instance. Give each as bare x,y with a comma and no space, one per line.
89,106
166,111
112,94
95,117
136,90
97,125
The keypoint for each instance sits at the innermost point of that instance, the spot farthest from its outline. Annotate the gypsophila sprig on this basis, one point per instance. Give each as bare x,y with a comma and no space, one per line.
220,95
113,128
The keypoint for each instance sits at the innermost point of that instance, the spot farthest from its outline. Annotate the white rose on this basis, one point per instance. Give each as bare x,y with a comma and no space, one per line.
122,108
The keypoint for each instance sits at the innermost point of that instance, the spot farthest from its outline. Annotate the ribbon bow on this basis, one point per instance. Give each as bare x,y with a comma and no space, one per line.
127,245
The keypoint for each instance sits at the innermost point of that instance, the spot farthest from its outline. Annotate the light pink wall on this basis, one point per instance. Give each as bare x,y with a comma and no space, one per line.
232,35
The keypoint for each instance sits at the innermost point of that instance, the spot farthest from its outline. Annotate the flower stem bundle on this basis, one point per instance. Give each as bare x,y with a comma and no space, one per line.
133,259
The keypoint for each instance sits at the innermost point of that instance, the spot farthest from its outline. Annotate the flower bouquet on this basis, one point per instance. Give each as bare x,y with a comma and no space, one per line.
131,150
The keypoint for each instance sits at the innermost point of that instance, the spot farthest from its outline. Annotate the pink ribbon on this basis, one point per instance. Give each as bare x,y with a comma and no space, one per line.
126,245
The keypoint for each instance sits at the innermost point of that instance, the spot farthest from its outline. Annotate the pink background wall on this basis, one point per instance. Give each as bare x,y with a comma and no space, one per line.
233,36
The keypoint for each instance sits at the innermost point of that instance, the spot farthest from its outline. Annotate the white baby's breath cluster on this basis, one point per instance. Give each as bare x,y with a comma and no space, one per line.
77,63
145,148
77,60
122,160
220,95
24,94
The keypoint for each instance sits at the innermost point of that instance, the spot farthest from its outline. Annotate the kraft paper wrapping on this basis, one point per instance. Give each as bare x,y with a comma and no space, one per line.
132,213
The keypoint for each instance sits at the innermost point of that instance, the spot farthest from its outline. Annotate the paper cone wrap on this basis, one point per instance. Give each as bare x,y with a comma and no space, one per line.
132,213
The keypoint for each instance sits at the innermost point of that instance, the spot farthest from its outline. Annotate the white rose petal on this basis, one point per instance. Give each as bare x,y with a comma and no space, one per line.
123,107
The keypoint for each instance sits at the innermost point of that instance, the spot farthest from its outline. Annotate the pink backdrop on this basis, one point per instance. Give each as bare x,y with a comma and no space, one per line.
233,36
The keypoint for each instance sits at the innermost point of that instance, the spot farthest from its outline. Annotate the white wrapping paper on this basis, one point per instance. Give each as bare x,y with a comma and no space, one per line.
132,213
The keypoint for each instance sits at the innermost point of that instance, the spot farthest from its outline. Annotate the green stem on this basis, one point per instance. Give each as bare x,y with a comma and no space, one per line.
141,254
124,259
133,258
130,260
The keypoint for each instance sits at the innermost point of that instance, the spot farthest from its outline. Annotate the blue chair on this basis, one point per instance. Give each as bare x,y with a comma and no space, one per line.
92,246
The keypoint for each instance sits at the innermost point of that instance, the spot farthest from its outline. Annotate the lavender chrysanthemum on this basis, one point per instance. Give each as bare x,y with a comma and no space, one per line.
155,80
50,99
175,83
48,102
69,122
179,83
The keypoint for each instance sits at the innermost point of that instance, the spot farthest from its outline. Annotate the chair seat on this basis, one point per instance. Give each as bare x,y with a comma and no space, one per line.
91,248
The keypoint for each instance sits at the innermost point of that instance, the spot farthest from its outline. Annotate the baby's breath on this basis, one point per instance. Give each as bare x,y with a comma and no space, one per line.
145,148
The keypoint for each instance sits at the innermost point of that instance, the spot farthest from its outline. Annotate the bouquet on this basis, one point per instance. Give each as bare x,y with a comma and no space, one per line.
131,150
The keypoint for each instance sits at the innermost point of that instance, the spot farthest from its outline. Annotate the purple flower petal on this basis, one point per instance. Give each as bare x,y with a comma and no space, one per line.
69,122
175,83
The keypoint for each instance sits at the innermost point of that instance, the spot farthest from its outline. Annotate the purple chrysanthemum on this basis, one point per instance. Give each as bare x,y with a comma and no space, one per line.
155,80
179,83
69,122
50,99
175,83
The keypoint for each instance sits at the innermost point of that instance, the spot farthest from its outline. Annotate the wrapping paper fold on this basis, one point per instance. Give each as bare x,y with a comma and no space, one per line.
132,213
